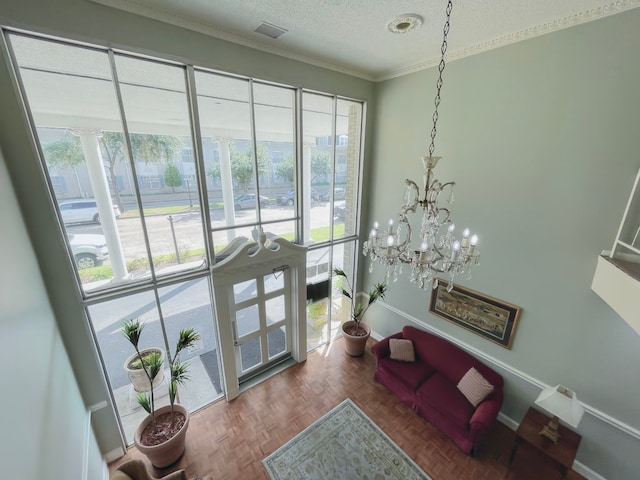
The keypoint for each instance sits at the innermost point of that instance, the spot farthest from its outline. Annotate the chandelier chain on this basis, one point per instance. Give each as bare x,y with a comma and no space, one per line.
443,50
438,250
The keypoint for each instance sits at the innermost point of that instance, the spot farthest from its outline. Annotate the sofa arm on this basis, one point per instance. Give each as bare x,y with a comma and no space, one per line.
485,416
381,349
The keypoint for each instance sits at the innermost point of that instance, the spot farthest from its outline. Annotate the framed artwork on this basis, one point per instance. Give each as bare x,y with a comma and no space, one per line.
489,317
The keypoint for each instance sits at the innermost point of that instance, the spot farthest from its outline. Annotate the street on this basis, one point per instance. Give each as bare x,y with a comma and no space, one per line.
188,229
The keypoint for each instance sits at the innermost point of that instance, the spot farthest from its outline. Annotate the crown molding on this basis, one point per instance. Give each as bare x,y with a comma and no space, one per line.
611,8
549,27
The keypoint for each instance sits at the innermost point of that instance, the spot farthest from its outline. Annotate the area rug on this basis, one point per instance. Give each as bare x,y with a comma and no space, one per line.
343,445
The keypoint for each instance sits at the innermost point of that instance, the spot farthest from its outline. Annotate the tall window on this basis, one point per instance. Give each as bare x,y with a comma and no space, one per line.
148,198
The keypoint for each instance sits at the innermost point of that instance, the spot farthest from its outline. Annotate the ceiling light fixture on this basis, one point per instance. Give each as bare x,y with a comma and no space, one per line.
438,253
405,23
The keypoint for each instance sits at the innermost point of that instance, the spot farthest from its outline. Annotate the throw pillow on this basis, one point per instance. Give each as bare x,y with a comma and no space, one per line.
474,387
402,350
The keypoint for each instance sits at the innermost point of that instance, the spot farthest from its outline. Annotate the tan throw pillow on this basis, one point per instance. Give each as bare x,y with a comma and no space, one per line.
474,386
401,350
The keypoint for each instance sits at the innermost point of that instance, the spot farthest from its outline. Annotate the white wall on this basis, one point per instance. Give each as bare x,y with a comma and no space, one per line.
46,432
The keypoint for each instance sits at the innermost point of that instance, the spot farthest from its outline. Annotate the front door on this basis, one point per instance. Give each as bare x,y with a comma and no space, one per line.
261,322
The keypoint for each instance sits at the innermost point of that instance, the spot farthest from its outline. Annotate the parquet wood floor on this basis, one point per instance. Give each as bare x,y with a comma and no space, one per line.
228,440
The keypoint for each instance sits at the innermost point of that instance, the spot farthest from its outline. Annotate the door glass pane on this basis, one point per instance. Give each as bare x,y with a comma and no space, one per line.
247,320
273,282
275,310
277,342
188,305
245,290
250,354
156,108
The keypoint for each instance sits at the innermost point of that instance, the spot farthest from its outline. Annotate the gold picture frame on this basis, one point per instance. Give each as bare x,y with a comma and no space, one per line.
486,316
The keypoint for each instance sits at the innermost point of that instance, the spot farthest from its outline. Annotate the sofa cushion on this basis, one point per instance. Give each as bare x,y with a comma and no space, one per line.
474,387
401,350
447,358
443,396
410,374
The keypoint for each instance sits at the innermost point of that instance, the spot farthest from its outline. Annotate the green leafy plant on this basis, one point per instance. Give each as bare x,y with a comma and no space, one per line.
358,309
152,363
148,359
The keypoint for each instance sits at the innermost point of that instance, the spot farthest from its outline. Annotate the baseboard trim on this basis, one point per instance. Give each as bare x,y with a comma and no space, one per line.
614,422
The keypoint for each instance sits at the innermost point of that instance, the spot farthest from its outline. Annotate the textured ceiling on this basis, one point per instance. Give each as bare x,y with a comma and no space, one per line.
351,36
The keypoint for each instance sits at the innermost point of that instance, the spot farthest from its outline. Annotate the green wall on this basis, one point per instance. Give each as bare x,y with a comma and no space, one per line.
542,139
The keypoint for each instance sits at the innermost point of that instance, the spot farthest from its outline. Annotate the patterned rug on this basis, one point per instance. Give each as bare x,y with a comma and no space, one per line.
343,445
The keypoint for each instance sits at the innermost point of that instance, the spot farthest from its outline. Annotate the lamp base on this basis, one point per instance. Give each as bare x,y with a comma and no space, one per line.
550,430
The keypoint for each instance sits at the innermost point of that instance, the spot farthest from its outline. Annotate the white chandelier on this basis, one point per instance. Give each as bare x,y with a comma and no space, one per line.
439,251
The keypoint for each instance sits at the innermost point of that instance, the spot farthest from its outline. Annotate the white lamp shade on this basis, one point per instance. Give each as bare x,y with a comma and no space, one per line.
561,402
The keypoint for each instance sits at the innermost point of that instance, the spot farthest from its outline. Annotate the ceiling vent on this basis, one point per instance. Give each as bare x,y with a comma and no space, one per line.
270,30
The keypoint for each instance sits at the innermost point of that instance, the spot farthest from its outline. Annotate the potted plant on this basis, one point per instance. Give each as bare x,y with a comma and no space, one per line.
355,332
162,434
138,377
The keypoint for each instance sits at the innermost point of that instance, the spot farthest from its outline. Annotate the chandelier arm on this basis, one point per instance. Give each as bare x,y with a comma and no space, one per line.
416,197
441,257
401,246
446,218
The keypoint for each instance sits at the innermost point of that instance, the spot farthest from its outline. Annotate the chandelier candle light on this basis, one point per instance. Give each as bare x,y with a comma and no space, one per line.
439,252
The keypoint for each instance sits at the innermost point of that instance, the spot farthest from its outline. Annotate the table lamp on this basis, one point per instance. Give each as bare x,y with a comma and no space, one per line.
563,404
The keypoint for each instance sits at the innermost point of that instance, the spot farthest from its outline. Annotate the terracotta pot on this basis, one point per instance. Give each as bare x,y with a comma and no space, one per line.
137,376
169,452
354,344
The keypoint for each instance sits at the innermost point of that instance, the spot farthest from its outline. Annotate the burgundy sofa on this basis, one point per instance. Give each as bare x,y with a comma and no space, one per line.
429,386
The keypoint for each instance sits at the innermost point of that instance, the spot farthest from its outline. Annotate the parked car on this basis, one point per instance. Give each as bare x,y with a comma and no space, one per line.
289,197
82,211
249,201
88,250
338,194
339,212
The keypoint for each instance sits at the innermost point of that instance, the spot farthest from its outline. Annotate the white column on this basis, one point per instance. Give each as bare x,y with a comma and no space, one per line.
227,185
100,186
306,190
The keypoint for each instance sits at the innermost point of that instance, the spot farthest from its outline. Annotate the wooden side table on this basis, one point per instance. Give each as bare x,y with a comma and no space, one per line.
562,453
